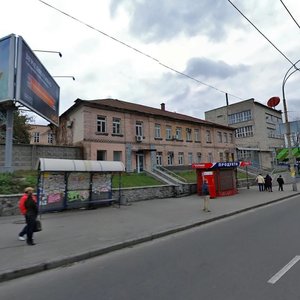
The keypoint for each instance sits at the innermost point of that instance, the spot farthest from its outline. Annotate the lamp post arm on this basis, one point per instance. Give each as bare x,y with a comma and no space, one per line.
288,125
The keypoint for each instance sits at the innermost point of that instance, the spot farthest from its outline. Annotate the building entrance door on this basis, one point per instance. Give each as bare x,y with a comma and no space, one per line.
140,163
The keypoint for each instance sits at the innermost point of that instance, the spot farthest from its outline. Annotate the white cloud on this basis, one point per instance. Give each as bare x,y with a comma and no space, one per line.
206,39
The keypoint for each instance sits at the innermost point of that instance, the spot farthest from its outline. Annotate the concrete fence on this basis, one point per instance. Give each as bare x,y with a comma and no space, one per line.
25,157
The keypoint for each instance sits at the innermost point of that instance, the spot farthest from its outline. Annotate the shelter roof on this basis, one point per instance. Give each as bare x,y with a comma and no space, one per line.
73,165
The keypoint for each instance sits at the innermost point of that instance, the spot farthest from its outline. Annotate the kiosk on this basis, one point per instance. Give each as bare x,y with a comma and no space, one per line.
221,177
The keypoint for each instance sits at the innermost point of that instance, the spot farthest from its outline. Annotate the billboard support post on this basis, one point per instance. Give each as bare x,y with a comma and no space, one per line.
9,139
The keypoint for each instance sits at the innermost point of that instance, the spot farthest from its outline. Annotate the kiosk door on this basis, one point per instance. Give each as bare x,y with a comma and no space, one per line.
210,177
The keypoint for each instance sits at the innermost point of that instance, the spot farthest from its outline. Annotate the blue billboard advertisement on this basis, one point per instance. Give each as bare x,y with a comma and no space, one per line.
7,55
35,87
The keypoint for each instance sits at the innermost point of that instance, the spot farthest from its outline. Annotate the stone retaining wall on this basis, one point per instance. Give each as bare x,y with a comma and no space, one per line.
9,203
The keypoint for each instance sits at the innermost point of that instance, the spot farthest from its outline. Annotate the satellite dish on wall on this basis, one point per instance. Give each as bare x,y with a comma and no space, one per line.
274,101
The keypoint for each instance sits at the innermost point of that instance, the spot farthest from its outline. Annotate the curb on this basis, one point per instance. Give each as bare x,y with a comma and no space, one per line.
17,273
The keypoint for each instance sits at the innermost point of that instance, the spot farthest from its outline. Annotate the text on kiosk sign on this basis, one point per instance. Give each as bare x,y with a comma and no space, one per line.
221,165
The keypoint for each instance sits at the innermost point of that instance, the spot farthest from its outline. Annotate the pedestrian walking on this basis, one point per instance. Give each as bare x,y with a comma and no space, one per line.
28,207
261,182
268,183
205,194
280,183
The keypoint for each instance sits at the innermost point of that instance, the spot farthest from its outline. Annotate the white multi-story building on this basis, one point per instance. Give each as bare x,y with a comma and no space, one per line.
257,137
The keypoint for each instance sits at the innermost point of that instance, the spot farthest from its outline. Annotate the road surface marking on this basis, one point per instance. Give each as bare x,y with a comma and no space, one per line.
278,275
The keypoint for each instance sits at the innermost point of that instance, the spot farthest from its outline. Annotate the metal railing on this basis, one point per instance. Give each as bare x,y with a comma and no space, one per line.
170,173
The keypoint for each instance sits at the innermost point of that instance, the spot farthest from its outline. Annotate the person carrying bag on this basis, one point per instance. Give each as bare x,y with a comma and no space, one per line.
28,207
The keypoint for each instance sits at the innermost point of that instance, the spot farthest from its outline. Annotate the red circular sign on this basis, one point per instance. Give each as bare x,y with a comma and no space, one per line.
274,101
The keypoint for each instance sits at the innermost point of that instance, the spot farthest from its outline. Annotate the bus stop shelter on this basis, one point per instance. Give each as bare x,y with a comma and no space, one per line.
67,183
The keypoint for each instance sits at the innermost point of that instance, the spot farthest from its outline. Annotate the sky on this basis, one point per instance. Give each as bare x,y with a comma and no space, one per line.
135,50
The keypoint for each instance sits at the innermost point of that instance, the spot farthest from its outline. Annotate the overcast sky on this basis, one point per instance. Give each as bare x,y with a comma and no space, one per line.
207,40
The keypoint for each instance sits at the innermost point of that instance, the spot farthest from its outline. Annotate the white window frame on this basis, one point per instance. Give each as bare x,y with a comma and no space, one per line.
101,124
157,131
197,135
168,132
116,126
139,128
208,136
179,133
188,134
159,158
50,137
36,137
180,158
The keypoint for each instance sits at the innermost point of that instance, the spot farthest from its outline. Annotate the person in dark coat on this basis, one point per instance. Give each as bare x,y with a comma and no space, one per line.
28,207
280,183
205,194
268,183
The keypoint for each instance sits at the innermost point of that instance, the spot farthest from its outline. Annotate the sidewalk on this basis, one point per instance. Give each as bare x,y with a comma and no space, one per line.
72,236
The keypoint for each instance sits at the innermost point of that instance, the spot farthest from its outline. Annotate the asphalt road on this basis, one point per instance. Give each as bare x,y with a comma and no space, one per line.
243,257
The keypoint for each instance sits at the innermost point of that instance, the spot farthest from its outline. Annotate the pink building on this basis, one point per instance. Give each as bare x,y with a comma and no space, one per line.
42,134
143,137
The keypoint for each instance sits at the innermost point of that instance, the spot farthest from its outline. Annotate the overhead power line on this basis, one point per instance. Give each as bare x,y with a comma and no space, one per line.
262,33
289,13
138,51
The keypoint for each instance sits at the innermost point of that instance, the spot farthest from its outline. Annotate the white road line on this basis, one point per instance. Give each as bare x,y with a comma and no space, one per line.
278,275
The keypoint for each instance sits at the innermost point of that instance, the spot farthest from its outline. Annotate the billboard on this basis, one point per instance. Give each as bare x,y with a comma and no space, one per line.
7,58
35,88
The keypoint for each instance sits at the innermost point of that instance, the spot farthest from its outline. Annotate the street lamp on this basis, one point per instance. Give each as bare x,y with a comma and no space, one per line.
59,53
65,77
288,125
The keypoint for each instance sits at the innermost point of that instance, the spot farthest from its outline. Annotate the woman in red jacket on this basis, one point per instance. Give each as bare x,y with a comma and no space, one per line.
28,208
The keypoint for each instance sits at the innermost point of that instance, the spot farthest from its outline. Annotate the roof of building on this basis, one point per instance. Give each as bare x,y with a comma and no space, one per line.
248,100
118,105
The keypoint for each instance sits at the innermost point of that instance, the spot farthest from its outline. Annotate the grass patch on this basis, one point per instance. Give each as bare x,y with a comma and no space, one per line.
16,182
134,180
189,176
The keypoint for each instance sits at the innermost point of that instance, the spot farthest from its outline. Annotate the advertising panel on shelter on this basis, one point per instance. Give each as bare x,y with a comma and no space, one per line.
36,89
7,55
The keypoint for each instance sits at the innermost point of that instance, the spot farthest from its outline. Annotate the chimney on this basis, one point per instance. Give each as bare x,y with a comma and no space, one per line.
162,106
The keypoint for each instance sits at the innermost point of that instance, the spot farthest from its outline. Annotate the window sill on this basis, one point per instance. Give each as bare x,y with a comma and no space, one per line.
117,134
101,133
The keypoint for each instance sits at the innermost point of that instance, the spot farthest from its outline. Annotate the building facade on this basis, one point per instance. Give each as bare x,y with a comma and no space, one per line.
42,135
256,130
143,137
